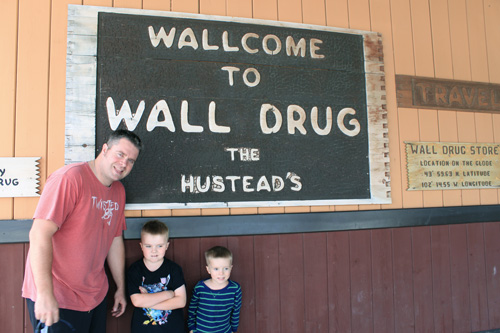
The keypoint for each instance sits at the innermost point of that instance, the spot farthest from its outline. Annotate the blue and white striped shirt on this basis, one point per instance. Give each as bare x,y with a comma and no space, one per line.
213,311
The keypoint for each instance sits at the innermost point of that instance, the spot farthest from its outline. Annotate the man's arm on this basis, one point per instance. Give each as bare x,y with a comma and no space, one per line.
116,263
176,302
46,306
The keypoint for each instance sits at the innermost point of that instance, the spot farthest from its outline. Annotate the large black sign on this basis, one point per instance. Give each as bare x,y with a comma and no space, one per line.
235,113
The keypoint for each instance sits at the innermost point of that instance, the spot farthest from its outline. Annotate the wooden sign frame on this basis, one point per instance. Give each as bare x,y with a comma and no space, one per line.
81,104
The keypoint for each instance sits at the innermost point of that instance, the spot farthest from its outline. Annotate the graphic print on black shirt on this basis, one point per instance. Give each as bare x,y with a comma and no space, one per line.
156,317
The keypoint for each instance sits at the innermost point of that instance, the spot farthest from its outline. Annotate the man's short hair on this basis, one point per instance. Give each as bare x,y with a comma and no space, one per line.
218,252
117,135
155,227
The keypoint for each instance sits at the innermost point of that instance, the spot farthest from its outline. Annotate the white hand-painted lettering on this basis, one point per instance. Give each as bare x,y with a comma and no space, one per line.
245,154
161,107
168,39
271,119
231,70
107,206
353,122
270,44
274,183
212,125
115,116
297,116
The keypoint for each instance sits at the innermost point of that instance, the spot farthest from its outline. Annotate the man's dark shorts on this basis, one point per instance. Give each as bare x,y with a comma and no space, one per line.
93,321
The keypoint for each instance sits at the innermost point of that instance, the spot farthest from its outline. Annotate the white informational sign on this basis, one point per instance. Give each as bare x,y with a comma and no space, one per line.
19,177
452,165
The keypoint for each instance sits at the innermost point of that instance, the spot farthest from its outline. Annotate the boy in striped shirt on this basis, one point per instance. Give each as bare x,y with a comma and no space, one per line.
216,302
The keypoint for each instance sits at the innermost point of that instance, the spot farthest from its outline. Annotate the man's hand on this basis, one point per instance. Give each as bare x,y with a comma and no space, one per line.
116,263
47,309
120,304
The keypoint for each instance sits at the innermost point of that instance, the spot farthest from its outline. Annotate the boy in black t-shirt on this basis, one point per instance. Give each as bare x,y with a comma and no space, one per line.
156,285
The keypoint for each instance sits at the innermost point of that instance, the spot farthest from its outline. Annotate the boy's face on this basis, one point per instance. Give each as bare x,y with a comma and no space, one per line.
219,269
154,247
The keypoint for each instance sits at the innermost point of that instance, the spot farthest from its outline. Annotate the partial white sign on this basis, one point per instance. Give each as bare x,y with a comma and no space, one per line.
19,177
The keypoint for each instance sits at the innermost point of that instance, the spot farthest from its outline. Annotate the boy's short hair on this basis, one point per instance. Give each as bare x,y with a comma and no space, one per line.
218,252
155,227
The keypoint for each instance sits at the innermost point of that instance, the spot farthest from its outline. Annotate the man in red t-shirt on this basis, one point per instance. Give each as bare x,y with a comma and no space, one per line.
78,225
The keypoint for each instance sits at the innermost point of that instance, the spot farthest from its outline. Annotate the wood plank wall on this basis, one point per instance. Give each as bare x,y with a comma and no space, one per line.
435,38
420,279
441,278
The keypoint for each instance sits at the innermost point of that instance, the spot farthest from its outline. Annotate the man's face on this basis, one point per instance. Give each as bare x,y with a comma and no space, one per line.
119,158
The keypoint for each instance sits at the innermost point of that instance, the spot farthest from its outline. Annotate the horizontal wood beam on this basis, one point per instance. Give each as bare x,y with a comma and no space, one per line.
16,231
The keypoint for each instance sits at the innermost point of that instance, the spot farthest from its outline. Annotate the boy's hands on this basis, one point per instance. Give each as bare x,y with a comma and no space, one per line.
168,293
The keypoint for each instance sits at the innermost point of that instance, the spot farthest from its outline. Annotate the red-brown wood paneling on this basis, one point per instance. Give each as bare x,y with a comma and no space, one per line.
382,281
492,255
459,277
404,311
244,273
11,303
26,319
420,279
291,283
361,288
477,278
187,255
315,280
339,286
440,247
267,286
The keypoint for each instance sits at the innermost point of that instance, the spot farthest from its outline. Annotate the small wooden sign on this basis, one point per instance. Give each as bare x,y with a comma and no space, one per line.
451,166
19,177
428,93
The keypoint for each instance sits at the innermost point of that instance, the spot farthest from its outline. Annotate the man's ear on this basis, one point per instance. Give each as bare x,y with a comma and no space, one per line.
208,269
